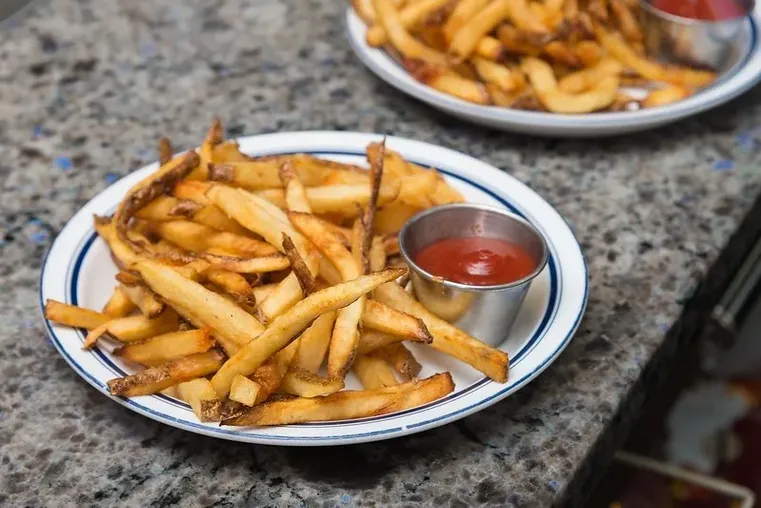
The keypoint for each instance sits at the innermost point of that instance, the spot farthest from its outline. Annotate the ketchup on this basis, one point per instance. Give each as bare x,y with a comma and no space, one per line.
476,261
710,10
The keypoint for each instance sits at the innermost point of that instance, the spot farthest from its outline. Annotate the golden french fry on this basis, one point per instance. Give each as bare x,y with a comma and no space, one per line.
589,53
155,379
262,292
308,384
666,95
400,39
543,81
284,327
374,372
313,343
402,360
391,218
119,304
463,12
627,22
465,40
598,9
372,340
580,81
134,328
491,49
145,300
678,76
448,338
202,398
306,279
344,405
447,81
165,151
492,72
295,194
71,315
243,390
169,346
377,254
410,16
426,390
233,284
561,53
199,238
270,375
383,318
214,137
230,324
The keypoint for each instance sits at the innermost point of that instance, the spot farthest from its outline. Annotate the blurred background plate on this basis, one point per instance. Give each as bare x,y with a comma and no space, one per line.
736,79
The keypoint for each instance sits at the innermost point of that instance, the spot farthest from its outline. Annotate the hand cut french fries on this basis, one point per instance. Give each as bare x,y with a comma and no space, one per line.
237,340
471,49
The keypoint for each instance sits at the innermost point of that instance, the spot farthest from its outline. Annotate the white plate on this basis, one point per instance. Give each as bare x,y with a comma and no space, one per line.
744,71
78,270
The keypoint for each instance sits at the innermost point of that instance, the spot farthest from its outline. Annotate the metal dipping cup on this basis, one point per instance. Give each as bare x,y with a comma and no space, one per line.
485,312
695,42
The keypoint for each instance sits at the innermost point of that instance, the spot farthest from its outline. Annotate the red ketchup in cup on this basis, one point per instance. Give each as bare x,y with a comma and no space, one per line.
706,10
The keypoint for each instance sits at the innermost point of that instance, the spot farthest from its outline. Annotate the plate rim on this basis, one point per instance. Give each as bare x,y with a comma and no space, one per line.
477,404
379,63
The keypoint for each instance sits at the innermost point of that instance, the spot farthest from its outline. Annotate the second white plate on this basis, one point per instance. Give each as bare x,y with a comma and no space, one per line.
740,77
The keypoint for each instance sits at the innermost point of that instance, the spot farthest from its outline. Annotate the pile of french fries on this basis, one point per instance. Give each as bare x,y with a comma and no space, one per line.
562,56
249,287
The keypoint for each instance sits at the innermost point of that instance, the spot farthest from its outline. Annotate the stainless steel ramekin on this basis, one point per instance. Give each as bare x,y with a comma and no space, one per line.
485,312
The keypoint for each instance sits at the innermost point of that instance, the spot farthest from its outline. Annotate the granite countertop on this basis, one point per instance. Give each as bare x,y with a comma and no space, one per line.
87,87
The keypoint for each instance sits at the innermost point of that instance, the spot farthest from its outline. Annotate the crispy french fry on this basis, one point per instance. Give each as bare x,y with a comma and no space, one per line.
383,318
295,194
446,337
119,304
448,82
377,254
159,378
402,360
213,138
400,39
391,218
314,342
373,340
243,390
465,40
270,375
145,300
463,12
627,22
580,81
426,390
198,238
233,284
262,292
666,95
169,346
134,328
341,198
284,327
410,16
589,53
165,151
202,398
71,315
542,79
495,73
308,384
338,406
230,324
374,372
299,267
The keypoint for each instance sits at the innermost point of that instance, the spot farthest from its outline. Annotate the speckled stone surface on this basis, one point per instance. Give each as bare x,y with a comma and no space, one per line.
86,87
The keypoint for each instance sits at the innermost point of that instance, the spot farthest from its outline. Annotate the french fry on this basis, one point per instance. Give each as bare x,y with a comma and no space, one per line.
145,300
338,406
402,360
444,80
299,267
341,198
377,254
463,12
270,375
232,326
295,194
262,292
627,22
400,39
202,399
580,81
71,315
495,73
214,137
155,379
233,284
196,237
119,304
543,81
391,218
165,151
169,346
589,53
314,342
304,383
426,390
286,326
374,372
666,95
134,328
410,16
383,318
243,390
446,337
465,40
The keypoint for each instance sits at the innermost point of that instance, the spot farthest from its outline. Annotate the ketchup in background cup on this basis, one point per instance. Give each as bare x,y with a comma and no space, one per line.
707,10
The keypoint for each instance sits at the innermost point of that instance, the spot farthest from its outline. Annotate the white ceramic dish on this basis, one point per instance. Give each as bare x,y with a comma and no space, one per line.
741,75
79,270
